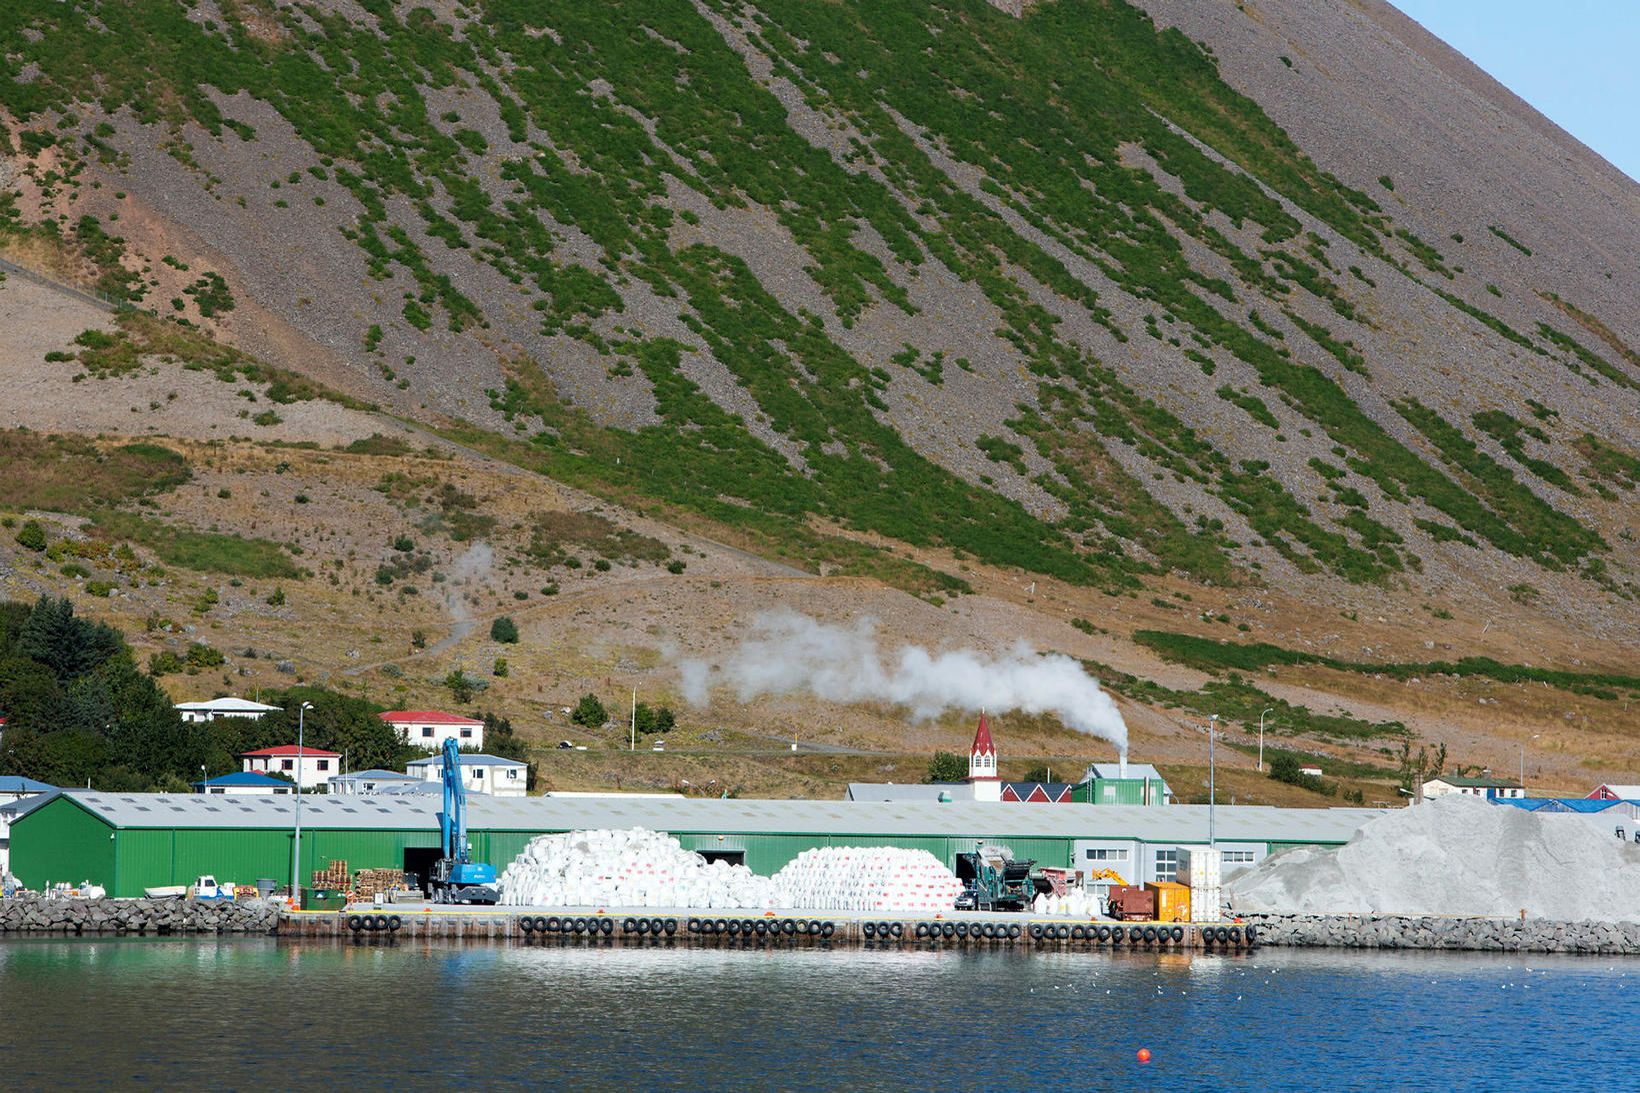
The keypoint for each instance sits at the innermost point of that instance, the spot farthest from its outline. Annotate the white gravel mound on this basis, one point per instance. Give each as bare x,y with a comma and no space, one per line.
868,878
636,868
1456,856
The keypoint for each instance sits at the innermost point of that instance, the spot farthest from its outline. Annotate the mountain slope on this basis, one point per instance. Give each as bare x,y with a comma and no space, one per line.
1287,299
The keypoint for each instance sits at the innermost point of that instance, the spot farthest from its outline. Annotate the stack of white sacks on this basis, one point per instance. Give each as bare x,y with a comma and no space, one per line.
1076,903
868,878
636,868
1201,869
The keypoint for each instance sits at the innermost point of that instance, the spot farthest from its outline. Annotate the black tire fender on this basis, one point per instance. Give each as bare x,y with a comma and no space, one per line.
355,923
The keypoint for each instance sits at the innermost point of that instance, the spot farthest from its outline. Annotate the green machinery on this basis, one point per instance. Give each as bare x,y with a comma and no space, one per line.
993,881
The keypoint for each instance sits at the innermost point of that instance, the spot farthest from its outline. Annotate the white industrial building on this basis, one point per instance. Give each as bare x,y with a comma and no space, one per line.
431,728
374,781
1490,788
224,707
14,788
487,774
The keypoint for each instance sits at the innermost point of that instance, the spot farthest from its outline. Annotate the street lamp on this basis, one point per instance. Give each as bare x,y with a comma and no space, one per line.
296,849
1212,794
1266,710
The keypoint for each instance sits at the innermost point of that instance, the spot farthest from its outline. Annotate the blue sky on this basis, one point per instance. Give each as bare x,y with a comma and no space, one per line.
1576,61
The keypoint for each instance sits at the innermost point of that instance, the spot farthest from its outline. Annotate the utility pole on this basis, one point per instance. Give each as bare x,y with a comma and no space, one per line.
1212,788
1266,710
633,745
296,848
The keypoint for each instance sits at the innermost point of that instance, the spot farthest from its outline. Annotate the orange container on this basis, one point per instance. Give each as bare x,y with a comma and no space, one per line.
1172,900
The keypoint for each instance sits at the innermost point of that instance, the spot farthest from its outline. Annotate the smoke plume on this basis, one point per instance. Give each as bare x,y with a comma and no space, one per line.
788,652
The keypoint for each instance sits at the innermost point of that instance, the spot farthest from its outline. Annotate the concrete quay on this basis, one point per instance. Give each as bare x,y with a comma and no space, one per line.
1506,935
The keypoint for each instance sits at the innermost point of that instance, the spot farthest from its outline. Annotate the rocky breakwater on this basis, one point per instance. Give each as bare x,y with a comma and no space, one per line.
38,914
1457,873
1504,935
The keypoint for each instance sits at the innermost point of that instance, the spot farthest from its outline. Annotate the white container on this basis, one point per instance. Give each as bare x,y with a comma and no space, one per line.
1200,866
1205,904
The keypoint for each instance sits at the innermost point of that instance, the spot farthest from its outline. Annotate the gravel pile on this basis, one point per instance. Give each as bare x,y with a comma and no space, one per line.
1455,856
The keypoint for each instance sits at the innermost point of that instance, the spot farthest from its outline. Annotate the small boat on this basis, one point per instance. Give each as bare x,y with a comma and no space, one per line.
175,891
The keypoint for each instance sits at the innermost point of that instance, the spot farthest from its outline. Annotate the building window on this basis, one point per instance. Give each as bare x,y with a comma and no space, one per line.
1167,864
478,772
287,764
1237,857
1107,855
324,764
466,734
427,730
216,789
512,774
370,785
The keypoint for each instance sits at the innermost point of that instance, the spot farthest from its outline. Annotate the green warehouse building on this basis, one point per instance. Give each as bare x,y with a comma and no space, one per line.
129,842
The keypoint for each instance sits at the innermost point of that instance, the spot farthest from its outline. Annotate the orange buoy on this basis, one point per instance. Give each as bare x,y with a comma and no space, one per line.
1144,1055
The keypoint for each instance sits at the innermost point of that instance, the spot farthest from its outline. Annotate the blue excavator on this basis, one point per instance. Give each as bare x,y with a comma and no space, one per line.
456,877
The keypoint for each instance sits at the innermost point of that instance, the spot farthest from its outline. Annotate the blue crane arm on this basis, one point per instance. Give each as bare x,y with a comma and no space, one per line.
452,821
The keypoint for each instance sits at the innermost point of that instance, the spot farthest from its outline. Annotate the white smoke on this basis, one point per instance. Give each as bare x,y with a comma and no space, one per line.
789,652
474,564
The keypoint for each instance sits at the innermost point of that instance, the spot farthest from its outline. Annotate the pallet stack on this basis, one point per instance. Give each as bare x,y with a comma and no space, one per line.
333,876
370,882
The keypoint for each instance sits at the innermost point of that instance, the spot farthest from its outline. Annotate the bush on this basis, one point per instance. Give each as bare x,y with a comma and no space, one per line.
163,664
504,630
676,565
31,536
201,655
589,713
404,544
276,598
461,688
946,766
500,668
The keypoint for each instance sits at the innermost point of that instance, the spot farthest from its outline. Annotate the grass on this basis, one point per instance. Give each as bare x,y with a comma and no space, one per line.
1211,655
206,552
73,474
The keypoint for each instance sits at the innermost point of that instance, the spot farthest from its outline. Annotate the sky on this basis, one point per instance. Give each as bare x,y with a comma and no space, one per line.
1576,61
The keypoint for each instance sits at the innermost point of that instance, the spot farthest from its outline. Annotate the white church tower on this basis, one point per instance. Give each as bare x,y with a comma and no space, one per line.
982,765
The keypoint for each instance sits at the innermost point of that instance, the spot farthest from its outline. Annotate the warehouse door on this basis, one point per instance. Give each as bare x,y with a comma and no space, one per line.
733,857
418,862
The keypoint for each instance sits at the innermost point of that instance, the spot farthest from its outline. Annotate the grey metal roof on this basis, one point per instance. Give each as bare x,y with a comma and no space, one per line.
908,791
468,759
706,816
319,810
971,819
1114,770
375,775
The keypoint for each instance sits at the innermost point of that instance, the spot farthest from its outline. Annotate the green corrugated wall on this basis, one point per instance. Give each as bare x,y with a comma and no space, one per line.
60,841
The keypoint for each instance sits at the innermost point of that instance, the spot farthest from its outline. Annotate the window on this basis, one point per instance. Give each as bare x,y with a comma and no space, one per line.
427,730
324,764
216,789
478,773
1167,864
1236,857
466,734
287,764
512,773
1102,854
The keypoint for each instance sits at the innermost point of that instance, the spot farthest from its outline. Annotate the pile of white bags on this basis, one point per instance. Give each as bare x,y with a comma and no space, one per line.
1076,903
636,868
868,878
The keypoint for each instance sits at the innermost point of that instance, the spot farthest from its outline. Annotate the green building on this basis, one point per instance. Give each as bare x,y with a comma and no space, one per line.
129,842
1122,784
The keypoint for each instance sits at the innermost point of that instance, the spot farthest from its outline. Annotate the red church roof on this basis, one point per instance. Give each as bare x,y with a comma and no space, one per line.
427,717
982,739
290,749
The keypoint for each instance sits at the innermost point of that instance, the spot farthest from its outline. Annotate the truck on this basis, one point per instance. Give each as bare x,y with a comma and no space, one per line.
456,877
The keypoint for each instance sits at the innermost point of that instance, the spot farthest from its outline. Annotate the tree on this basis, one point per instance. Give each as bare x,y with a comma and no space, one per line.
946,767
589,712
31,536
1038,773
504,630
460,686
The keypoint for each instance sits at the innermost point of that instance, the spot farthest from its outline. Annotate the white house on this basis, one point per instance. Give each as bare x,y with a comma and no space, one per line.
479,773
224,707
317,765
373,781
243,783
14,788
1489,788
431,728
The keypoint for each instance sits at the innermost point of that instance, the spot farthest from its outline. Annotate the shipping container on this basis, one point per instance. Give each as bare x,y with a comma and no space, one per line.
1200,866
1172,900
1128,901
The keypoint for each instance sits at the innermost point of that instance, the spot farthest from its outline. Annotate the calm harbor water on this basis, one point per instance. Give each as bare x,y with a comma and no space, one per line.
260,1014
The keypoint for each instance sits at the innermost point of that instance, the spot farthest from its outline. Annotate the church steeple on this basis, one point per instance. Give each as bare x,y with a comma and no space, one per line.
982,764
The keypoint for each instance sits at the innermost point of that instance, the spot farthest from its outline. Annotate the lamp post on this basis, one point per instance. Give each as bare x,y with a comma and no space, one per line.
1266,710
296,848
1212,788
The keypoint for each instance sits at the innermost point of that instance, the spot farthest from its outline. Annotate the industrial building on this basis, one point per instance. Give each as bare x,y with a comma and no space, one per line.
128,842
